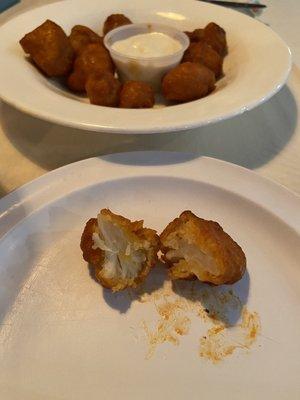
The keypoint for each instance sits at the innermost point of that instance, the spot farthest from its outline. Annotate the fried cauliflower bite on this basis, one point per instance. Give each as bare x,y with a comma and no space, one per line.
81,36
136,94
94,58
121,252
49,48
103,90
188,81
215,36
194,247
196,35
115,21
203,53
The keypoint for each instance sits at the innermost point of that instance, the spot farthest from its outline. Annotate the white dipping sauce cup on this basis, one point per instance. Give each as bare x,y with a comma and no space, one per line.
150,69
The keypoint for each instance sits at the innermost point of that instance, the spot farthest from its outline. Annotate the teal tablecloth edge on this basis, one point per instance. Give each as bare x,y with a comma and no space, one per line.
5,4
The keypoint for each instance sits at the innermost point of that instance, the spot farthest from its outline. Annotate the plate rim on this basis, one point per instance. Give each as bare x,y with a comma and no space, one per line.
55,184
155,127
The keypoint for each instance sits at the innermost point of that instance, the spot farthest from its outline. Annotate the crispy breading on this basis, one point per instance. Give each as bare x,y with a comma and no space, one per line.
93,59
136,94
193,246
188,81
81,36
215,36
103,89
121,252
212,34
115,21
203,53
49,48
196,35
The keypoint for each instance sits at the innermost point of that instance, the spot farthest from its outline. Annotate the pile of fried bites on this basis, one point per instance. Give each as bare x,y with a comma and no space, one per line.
84,65
121,253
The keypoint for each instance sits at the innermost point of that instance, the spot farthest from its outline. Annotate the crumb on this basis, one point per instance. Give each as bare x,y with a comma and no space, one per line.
222,341
171,325
176,309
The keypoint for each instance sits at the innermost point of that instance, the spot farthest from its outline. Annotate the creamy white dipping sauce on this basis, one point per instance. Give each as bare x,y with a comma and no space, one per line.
146,45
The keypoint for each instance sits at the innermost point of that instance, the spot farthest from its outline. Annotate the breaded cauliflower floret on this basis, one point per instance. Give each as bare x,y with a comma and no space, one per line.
194,247
122,252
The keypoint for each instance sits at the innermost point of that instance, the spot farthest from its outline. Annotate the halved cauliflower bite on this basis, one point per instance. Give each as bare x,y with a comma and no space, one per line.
121,252
193,247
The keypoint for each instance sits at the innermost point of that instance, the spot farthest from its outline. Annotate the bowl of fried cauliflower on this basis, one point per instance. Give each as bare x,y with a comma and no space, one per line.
57,65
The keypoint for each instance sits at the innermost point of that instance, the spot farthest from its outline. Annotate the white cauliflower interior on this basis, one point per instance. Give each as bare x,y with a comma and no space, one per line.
189,257
124,256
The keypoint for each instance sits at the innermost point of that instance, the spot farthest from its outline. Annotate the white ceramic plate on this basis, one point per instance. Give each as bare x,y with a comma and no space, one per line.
64,337
256,67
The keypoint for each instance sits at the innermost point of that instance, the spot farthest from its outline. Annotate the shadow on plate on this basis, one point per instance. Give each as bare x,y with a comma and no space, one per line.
251,139
122,300
157,158
222,303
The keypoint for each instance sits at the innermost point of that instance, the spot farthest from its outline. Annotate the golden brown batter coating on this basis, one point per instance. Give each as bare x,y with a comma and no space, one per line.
103,90
94,58
49,48
94,256
203,53
194,247
115,21
215,36
136,94
81,36
188,81
196,35
121,252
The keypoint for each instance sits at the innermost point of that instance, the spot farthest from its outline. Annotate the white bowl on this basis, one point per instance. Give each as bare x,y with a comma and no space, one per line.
150,69
256,67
